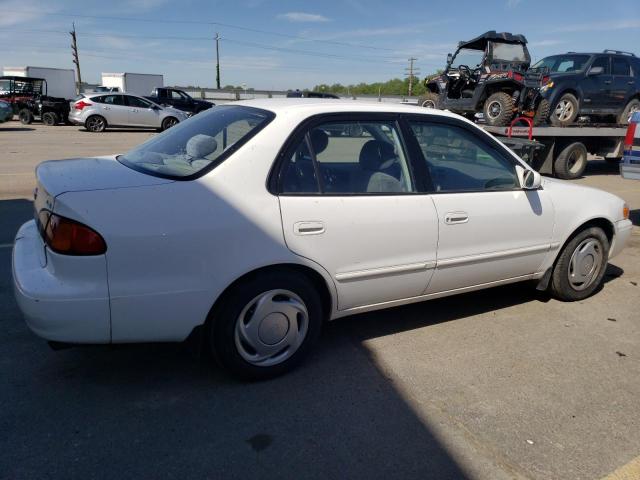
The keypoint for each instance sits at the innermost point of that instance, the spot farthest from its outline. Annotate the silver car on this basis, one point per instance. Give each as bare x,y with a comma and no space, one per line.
98,111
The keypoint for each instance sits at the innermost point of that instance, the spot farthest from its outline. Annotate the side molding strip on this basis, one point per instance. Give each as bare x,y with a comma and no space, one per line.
384,271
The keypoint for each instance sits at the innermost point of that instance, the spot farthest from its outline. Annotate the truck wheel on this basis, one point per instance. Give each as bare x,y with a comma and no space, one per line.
95,123
571,162
498,109
542,113
429,100
565,111
25,116
49,119
632,107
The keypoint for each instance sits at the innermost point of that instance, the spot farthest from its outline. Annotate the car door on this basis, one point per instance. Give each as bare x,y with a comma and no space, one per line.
623,82
142,113
180,100
597,88
350,204
490,229
114,110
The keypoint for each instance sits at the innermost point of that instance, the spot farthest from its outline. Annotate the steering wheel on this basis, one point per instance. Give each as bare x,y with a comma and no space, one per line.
465,71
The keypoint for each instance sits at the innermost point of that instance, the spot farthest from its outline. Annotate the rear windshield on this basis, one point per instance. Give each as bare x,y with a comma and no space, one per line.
563,63
509,52
198,144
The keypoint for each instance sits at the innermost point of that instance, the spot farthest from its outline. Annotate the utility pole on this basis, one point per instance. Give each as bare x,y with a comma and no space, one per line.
76,60
411,72
217,61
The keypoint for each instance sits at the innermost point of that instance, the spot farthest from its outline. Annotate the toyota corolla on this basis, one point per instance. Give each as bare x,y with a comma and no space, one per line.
251,224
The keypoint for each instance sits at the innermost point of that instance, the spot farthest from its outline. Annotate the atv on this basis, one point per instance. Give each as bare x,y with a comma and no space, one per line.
487,75
29,99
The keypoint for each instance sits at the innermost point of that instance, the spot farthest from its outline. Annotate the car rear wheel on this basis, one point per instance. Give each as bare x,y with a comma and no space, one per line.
429,100
632,107
266,324
95,123
565,111
25,116
169,122
50,118
498,109
571,162
581,265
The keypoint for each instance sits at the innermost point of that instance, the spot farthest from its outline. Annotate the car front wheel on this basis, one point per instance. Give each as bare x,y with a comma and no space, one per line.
581,265
169,122
266,324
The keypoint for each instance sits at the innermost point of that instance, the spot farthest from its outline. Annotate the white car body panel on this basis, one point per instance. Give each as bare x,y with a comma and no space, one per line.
173,247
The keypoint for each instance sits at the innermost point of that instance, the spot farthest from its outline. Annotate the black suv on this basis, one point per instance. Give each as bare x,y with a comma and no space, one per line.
601,85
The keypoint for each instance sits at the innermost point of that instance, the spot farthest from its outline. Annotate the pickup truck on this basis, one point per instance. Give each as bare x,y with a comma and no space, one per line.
178,99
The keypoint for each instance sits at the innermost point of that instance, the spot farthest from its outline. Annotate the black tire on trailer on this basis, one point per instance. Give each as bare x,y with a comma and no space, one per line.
498,109
50,118
542,113
565,111
25,116
571,161
429,100
581,265
632,106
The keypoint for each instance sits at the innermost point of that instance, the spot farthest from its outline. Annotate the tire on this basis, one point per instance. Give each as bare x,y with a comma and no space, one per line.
169,122
565,111
95,123
429,100
50,119
542,113
571,161
498,109
283,295
25,117
632,106
581,266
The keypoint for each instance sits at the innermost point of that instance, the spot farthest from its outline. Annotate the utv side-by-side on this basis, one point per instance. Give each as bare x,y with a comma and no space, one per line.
485,75
28,97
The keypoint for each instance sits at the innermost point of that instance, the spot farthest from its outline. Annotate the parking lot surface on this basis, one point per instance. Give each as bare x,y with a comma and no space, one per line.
504,383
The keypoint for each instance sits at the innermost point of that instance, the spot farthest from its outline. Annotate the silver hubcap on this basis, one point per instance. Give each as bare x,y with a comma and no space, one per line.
170,123
585,264
96,124
429,104
494,109
564,110
271,327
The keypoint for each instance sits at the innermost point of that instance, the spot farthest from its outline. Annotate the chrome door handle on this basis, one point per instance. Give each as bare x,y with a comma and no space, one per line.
453,218
607,82
308,228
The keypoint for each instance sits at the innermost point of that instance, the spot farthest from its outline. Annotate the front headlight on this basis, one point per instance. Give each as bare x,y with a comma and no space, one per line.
546,87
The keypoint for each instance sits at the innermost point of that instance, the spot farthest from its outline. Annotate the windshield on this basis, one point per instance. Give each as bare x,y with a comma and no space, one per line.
509,52
563,63
198,144
466,56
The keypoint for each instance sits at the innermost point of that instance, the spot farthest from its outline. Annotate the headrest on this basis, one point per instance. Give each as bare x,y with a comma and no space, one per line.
376,155
319,140
199,146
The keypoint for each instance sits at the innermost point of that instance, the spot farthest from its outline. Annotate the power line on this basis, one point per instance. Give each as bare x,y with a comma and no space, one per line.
210,23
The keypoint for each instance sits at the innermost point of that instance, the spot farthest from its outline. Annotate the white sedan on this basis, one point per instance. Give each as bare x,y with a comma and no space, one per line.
251,224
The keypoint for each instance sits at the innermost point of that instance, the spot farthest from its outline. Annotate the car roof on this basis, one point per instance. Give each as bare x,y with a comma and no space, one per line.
329,105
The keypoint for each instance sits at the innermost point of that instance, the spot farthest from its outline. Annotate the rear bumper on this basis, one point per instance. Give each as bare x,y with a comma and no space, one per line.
67,299
622,235
75,117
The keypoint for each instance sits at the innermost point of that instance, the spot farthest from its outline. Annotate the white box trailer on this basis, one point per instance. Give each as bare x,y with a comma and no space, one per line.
136,83
60,82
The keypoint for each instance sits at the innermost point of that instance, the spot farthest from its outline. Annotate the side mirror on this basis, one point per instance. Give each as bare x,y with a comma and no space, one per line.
155,107
449,58
529,179
596,71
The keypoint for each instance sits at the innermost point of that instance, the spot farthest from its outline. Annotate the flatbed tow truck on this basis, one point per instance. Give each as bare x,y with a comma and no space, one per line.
561,151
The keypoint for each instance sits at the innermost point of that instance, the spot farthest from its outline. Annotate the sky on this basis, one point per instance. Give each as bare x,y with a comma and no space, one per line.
279,45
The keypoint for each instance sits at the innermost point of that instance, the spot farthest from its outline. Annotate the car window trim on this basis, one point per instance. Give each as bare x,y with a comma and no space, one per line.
489,142
274,180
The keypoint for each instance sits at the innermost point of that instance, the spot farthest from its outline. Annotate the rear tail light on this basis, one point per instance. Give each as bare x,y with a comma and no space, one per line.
518,77
69,237
545,79
81,104
631,133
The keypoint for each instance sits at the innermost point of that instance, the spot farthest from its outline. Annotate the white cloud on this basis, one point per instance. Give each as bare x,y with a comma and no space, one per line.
303,17
513,3
599,26
545,43
16,12
145,4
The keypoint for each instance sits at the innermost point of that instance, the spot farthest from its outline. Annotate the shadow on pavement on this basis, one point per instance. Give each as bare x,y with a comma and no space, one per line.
634,216
602,167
